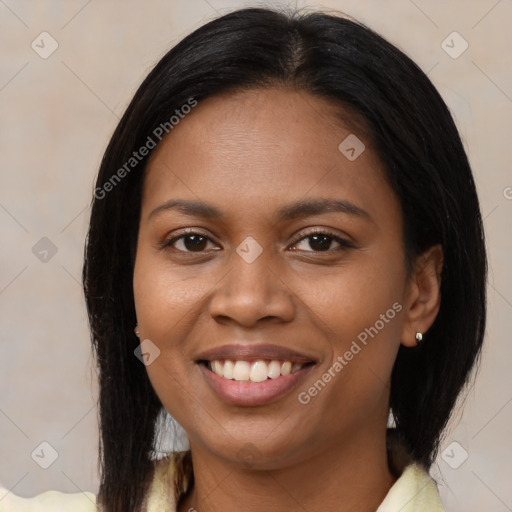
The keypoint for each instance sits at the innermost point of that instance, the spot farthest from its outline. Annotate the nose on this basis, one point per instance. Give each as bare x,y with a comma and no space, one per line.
251,292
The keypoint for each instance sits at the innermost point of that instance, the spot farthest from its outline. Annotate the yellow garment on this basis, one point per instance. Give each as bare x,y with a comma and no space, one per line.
414,491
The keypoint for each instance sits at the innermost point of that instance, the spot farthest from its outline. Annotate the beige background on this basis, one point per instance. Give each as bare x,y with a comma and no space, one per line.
57,115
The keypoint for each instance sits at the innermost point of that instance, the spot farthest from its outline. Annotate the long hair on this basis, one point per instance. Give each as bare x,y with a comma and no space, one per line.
413,133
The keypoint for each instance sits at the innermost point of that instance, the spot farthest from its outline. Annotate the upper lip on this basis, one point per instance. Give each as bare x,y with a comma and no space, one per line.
244,352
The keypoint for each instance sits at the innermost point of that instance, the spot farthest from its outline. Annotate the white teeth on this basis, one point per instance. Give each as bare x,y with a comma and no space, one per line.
242,370
257,371
274,369
286,368
229,366
217,368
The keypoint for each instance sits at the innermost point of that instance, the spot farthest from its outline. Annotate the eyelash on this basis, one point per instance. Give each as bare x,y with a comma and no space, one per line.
344,244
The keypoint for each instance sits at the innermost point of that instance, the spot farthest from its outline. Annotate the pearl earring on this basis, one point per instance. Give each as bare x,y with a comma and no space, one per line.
419,337
136,330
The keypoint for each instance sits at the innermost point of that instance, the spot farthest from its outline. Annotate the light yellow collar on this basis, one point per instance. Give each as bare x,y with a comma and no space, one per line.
413,491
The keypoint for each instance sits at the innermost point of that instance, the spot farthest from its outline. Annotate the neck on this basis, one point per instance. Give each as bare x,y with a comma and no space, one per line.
351,477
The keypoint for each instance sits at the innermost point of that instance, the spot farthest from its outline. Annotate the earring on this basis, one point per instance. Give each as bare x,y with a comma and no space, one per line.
419,337
136,330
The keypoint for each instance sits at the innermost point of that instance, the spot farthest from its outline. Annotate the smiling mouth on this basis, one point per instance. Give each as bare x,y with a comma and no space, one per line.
253,371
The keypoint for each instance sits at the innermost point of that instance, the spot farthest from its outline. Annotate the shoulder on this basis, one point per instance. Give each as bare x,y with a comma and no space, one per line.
49,501
171,479
414,491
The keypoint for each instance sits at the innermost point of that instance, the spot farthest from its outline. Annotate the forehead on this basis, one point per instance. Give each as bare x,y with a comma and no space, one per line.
274,144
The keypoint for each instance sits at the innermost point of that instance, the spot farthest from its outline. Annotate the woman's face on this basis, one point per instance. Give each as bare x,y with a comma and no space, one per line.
285,249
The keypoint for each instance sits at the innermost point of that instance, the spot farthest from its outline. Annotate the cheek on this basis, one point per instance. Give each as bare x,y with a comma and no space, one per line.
351,300
170,304
361,312
165,297
352,386
350,391
163,305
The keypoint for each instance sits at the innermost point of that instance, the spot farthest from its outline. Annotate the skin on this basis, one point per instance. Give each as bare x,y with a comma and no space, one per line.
249,154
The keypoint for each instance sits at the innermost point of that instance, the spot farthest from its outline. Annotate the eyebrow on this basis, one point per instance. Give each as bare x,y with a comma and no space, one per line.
298,210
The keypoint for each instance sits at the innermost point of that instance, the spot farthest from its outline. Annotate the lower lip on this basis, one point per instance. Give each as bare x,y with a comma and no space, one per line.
246,393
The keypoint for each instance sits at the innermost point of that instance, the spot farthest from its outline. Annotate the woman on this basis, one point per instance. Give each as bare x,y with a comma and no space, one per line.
285,251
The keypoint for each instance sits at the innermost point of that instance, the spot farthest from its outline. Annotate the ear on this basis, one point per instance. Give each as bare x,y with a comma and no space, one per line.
423,295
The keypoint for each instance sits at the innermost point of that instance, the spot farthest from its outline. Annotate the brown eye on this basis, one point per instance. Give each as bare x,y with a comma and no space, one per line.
195,242
190,242
321,242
